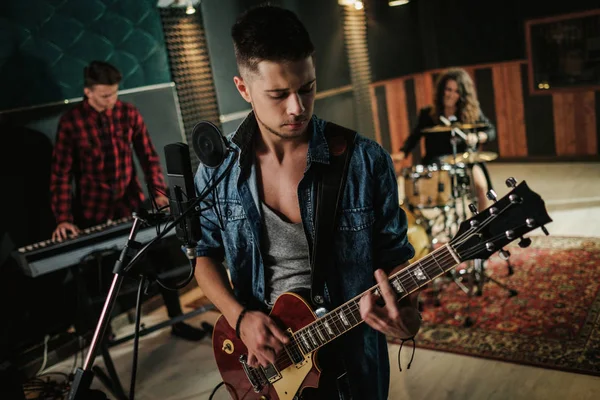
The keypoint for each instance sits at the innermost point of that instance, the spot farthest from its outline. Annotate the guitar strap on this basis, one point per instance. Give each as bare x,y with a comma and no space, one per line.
331,181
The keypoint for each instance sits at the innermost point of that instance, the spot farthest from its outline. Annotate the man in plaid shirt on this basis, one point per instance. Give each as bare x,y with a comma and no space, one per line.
94,144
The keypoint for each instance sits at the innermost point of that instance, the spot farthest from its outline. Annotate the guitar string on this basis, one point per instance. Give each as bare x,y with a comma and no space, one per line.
342,327
484,223
317,331
353,305
337,321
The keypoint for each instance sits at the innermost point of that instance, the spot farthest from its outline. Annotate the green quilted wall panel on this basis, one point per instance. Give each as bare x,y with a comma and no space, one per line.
46,43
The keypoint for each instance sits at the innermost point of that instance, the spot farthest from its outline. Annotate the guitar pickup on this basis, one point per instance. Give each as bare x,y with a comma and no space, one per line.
271,373
294,352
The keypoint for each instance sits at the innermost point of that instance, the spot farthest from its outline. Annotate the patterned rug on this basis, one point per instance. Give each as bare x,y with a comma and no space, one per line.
553,322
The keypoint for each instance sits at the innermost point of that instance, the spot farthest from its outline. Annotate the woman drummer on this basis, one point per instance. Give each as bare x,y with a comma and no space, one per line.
455,101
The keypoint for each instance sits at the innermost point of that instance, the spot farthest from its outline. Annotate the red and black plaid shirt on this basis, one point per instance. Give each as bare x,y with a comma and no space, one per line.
96,150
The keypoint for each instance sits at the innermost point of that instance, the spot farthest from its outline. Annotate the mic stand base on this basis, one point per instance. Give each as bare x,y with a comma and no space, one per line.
80,390
146,331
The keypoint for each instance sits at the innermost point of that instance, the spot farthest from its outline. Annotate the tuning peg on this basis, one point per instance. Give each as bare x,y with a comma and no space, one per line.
504,254
491,195
545,230
515,199
511,182
473,209
524,242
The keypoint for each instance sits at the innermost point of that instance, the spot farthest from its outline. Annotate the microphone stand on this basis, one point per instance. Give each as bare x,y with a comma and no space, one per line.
131,253
453,142
454,131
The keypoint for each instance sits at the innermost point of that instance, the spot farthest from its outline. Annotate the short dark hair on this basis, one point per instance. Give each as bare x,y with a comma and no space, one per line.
269,33
101,73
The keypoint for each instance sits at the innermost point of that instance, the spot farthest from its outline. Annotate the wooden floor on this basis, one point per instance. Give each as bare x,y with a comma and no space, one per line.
171,368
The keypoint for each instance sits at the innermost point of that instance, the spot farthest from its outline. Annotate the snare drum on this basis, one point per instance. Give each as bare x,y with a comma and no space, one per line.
428,186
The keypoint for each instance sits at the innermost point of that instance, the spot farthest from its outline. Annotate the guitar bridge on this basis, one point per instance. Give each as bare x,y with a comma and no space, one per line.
260,377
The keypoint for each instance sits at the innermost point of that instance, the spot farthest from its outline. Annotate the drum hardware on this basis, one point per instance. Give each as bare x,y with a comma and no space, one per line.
449,128
470,157
446,187
428,186
475,275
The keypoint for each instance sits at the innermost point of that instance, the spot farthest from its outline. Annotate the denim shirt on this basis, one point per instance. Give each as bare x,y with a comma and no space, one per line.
371,234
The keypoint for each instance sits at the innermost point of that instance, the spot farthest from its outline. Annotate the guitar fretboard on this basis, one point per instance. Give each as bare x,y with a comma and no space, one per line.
347,316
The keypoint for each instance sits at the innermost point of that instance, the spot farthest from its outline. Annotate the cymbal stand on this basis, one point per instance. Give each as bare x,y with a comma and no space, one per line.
457,195
455,192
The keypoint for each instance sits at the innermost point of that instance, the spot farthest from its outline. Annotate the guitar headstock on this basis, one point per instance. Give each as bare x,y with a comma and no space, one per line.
508,219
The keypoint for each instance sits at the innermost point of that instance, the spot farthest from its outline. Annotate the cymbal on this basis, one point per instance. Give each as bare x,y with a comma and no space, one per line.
444,128
470,157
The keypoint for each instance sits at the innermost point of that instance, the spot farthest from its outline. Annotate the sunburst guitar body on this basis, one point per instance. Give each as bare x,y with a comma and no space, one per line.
293,370
508,219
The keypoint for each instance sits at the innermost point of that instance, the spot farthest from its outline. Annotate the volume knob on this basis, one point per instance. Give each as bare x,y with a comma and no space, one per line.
227,346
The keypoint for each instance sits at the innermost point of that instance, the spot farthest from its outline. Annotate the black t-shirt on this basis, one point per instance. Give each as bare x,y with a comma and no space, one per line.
439,143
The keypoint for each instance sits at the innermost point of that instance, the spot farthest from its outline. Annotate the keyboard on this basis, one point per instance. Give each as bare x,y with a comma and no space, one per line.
48,256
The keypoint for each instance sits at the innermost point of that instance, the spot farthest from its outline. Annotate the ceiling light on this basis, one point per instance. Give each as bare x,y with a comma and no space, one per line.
393,3
190,8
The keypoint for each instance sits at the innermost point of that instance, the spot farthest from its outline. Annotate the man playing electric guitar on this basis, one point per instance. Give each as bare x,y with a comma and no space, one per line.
265,224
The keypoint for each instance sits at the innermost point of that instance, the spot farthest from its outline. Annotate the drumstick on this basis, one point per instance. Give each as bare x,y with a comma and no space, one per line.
447,123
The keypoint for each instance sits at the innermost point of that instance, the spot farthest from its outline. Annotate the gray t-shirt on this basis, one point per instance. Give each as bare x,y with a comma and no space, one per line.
285,255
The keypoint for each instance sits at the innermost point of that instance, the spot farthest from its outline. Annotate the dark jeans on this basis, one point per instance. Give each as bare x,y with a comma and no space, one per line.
330,387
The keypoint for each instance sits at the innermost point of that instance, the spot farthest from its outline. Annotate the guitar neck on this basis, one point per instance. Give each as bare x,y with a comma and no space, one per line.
347,316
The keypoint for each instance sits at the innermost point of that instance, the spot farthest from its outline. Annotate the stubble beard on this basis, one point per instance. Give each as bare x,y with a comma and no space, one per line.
281,135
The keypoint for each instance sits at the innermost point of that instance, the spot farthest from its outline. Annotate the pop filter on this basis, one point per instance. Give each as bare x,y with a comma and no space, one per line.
209,144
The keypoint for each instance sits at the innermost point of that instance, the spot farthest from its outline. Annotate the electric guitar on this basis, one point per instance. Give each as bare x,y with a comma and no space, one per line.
296,368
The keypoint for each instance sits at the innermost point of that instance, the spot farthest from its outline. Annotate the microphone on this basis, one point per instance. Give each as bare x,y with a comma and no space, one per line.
211,149
209,144
182,195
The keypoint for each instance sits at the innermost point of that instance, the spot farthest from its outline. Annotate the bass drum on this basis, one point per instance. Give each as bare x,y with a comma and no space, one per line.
417,236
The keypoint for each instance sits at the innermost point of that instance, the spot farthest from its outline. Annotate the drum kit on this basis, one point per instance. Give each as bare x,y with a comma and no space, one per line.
436,199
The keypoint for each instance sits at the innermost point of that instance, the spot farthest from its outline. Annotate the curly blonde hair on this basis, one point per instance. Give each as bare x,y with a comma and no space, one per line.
468,109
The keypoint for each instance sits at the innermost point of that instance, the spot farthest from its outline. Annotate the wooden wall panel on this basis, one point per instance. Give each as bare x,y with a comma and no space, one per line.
375,109
567,123
508,97
396,106
575,123
471,71
424,92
